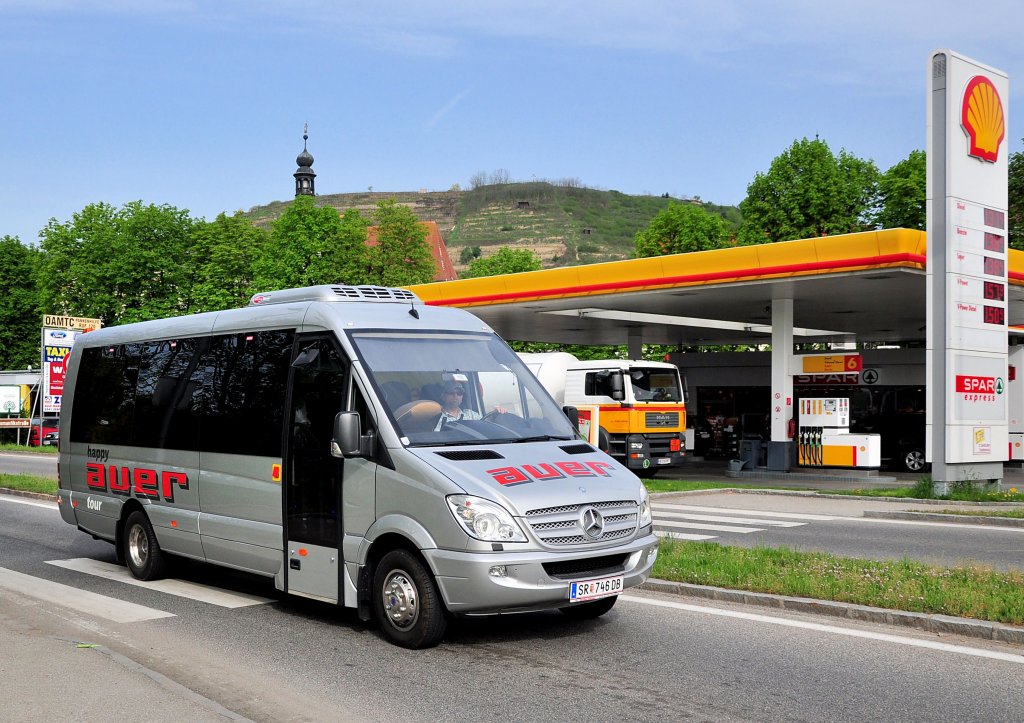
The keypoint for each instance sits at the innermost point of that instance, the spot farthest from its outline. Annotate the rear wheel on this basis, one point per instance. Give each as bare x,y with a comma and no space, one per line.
141,551
589,610
406,601
646,473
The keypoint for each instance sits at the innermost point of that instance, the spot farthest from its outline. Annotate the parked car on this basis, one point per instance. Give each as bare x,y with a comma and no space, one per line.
39,430
50,439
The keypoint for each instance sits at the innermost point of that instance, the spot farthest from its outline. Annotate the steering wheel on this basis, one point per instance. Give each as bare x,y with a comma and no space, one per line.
418,415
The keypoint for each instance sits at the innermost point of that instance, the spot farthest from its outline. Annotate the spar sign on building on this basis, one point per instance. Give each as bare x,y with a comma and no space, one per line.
59,334
967,267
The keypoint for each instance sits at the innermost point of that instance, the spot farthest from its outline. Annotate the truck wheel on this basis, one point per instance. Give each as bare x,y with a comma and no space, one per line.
604,442
589,610
141,550
406,601
647,473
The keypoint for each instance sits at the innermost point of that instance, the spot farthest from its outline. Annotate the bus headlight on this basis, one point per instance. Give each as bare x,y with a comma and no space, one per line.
485,520
645,507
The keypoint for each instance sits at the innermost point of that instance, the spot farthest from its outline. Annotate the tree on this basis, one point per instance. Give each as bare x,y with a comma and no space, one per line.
505,260
224,252
469,253
901,194
681,228
1016,200
402,255
120,265
20,316
311,245
808,191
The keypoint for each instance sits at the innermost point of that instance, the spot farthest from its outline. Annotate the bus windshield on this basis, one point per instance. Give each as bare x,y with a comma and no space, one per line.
455,388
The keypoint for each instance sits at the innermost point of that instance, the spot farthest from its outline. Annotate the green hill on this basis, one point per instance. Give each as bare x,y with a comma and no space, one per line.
564,225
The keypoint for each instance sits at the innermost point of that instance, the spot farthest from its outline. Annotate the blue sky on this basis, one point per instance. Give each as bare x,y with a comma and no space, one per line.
201,104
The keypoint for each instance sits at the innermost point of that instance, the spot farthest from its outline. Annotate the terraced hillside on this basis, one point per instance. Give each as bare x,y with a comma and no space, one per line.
563,225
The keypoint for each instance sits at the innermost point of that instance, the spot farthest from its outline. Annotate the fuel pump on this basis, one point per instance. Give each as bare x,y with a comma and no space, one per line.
824,438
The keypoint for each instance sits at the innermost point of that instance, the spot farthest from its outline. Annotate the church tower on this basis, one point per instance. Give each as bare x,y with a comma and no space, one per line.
304,175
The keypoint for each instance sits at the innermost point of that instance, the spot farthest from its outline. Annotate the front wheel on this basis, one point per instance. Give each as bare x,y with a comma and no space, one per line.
141,551
406,601
589,610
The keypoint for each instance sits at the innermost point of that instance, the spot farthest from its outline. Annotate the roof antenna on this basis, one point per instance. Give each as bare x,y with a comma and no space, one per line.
412,311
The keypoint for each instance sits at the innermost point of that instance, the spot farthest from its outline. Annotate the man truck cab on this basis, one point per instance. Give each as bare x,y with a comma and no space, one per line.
638,407
301,438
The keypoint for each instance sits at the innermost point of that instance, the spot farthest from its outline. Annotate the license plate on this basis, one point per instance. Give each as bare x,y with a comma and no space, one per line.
663,460
594,589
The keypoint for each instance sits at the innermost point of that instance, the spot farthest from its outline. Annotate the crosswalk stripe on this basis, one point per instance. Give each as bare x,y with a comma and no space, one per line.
180,588
683,536
755,513
90,603
719,518
703,526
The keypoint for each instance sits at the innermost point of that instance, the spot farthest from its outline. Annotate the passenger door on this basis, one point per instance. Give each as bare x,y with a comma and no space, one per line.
312,499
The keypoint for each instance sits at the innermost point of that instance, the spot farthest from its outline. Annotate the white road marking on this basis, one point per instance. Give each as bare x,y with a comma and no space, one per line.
27,501
702,526
83,601
683,536
662,514
755,513
834,629
180,588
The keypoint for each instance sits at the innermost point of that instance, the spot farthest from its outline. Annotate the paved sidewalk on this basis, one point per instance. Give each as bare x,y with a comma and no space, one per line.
52,671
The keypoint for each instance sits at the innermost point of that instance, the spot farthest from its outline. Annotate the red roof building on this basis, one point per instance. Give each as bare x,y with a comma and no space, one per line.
443,264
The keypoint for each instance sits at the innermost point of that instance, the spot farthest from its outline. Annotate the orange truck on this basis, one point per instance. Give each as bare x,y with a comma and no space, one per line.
634,410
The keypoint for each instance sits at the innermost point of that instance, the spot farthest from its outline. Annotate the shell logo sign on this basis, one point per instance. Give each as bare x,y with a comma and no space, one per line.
982,119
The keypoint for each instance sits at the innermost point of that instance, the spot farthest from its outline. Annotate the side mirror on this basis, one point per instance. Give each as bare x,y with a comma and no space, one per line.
618,392
347,441
573,414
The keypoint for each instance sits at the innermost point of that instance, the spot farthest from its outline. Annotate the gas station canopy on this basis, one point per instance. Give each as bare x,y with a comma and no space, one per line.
863,287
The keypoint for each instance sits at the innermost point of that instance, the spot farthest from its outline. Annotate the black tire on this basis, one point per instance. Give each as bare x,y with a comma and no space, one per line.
406,601
646,472
141,551
912,459
604,441
589,610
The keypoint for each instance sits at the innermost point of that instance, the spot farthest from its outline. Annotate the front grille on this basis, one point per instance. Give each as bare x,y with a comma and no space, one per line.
469,454
560,526
588,567
662,419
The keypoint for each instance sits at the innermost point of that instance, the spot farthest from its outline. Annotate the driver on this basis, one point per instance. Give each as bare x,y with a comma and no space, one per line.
452,395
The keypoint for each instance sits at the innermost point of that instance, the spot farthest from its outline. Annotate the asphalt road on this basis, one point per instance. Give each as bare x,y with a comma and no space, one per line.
837,526
652,658
38,465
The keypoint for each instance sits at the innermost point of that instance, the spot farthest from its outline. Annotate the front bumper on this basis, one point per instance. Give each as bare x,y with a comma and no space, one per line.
469,589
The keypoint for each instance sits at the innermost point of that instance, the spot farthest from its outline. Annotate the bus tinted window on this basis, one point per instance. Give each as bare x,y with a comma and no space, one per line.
243,378
105,395
164,416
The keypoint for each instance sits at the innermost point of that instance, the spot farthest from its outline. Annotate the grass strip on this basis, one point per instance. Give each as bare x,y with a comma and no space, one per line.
28,483
923,492
970,592
49,449
678,485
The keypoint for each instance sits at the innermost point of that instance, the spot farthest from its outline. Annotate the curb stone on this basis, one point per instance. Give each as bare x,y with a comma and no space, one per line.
826,496
939,517
863,613
23,493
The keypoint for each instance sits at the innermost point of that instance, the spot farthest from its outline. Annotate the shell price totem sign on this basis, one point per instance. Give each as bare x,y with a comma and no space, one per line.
967,267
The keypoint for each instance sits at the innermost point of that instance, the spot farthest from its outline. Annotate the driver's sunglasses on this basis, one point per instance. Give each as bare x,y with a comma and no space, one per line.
460,392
